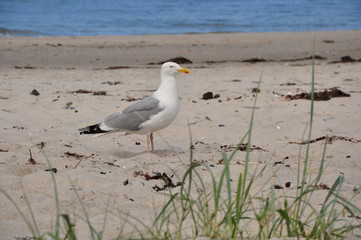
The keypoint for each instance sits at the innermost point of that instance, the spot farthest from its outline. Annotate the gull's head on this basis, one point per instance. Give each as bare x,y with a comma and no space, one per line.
172,69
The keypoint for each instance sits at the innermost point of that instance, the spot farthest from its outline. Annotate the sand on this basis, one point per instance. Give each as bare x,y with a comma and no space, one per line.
101,170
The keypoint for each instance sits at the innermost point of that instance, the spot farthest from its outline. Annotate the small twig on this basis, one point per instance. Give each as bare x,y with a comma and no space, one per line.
31,159
78,163
279,94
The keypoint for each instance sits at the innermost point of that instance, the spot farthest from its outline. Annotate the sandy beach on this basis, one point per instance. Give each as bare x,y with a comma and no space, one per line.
115,71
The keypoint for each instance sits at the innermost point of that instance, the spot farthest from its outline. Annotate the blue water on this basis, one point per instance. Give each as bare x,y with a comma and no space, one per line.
130,17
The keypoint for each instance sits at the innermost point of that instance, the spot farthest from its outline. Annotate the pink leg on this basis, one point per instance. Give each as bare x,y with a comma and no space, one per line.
150,144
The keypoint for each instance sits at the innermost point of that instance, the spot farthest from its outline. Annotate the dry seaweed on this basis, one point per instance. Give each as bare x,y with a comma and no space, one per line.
111,164
318,96
241,147
74,155
112,83
116,67
210,95
278,162
255,60
328,41
168,183
100,93
329,141
24,67
54,170
346,59
287,84
318,57
320,186
178,60
260,60
77,156
112,68
82,91
54,45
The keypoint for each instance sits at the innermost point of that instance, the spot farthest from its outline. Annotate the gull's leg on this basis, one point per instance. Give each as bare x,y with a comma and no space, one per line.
150,144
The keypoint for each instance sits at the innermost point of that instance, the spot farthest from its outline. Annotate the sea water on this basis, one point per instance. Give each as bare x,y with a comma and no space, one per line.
134,17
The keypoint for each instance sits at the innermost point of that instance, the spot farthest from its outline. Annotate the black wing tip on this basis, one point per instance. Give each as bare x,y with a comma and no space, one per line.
93,129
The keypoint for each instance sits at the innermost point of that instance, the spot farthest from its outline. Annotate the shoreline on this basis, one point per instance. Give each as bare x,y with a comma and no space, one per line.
128,51
188,33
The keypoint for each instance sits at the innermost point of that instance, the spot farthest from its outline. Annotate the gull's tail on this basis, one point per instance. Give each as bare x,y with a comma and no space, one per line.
93,129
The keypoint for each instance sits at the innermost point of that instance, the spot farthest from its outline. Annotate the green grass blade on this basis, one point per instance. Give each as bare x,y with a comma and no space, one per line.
70,233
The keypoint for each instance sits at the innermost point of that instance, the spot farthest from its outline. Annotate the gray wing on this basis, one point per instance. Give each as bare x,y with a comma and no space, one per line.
134,115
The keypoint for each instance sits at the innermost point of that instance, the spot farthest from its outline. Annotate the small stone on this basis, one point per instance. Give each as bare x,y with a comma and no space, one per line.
35,92
207,95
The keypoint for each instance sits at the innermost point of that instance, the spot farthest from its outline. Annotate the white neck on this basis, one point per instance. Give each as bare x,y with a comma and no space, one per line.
167,91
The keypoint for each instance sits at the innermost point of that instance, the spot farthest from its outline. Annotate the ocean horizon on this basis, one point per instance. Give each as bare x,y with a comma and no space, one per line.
141,17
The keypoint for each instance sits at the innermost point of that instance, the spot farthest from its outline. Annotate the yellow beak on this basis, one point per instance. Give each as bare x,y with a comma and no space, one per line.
183,70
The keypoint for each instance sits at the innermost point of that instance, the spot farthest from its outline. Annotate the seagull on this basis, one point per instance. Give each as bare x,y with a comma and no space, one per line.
148,115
